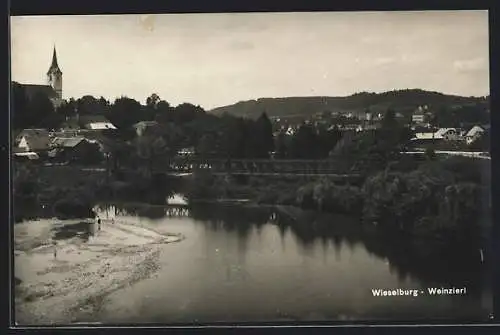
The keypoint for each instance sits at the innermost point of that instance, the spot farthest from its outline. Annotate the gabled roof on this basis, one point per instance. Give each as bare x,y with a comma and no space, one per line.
34,132
100,125
29,155
87,119
474,131
37,139
442,131
68,142
424,136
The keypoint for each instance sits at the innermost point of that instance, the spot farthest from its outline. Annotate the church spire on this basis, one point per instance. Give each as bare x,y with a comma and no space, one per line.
54,67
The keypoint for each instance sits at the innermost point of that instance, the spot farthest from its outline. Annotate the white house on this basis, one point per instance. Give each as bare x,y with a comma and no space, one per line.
473,134
100,125
95,122
449,134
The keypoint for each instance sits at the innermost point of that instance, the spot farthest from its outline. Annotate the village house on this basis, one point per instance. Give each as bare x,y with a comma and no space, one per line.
143,128
473,134
75,149
96,122
87,123
32,140
419,116
448,134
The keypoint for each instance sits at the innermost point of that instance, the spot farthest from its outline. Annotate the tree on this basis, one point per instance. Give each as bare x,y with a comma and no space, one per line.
19,107
163,112
153,100
186,112
281,146
53,121
151,107
153,148
327,140
125,112
482,143
264,135
389,120
304,143
40,108
430,154
206,145
67,109
89,105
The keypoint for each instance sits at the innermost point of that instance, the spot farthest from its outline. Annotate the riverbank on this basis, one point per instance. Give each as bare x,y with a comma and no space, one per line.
65,269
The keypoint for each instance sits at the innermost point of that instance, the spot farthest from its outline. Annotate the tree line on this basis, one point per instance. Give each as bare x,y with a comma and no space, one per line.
225,136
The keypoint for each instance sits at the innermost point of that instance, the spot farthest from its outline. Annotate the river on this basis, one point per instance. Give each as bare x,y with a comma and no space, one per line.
237,265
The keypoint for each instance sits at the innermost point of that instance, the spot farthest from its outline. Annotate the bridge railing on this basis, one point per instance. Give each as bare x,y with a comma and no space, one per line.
323,166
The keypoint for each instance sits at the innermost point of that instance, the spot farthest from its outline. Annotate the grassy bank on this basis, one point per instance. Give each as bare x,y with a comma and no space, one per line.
437,203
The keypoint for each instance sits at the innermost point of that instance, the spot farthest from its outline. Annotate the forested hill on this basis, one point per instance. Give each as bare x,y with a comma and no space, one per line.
403,101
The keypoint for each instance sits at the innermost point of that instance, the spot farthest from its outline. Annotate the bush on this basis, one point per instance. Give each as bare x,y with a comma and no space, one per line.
344,198
202,186
305,196
73,208
467,170
267,198
287,199
430,153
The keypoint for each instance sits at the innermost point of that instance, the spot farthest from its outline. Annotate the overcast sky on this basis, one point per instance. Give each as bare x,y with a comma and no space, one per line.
219,59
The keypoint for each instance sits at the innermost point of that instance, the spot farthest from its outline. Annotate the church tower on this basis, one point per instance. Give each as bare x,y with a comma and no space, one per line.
54,76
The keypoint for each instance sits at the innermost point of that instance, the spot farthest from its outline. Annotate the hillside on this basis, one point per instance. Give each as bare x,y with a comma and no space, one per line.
404,101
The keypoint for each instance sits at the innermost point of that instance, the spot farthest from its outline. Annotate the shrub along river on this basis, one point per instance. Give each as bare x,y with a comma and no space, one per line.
242,263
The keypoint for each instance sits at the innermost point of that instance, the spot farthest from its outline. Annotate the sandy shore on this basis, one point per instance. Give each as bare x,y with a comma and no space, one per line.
66,268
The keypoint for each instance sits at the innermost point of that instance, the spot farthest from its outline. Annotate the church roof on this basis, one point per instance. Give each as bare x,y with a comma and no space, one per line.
32,90
54,66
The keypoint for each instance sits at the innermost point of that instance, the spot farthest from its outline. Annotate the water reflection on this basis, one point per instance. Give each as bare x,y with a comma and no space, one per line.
402,257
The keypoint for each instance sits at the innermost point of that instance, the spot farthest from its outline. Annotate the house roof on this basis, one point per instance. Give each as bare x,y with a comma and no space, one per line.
37,139
29,155
34,132
442,131
87,119
32,90
100,125
426,136
67,142
474,131
419,112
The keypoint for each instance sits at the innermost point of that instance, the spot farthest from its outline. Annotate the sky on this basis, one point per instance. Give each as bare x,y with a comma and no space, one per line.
214,60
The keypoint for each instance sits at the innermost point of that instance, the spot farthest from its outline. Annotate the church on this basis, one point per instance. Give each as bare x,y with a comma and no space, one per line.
53,88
